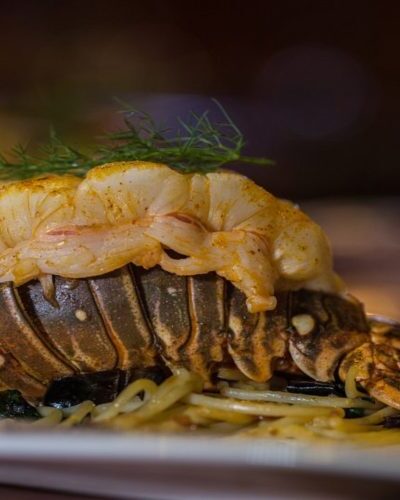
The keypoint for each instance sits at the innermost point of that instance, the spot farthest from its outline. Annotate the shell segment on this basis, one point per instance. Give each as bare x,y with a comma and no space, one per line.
120,306
72,325
24,342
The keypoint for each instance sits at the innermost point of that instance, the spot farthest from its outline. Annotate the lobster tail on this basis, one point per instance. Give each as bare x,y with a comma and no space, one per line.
133,319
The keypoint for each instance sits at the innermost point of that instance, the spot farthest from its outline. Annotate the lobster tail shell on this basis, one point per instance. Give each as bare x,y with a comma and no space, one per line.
130,318
90,326
134,319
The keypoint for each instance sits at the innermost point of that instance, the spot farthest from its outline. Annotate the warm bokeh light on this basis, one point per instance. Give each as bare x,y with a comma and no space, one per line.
366,245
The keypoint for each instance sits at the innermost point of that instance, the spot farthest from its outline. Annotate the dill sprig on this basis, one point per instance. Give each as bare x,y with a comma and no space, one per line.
55,157
198,145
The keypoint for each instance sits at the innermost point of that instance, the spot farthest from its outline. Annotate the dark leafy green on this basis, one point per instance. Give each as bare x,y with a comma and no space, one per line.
392,422
315,388
354,412
13,405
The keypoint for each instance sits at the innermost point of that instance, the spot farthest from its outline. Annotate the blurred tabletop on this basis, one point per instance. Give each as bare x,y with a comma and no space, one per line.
365,240
17,493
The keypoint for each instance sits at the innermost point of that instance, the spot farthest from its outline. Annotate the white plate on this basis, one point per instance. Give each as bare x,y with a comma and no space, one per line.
174,467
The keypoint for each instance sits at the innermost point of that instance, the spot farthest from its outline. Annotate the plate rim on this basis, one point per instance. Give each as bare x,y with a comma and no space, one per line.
336,458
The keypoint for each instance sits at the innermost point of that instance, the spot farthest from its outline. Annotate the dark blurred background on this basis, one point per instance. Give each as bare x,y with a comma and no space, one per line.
312,84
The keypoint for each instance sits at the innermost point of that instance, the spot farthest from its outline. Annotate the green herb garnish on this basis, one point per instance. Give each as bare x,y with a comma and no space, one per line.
200,145
13,405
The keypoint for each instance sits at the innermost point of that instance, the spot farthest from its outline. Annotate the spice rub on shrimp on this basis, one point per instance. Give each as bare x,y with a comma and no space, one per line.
134,212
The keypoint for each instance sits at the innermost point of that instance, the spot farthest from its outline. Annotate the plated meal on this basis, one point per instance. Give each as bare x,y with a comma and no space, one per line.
152,296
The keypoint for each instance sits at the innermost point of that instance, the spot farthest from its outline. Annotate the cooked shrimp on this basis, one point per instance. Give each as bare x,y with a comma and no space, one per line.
136,211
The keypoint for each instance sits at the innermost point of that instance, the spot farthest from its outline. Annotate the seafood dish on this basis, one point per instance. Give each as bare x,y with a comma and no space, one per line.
144,297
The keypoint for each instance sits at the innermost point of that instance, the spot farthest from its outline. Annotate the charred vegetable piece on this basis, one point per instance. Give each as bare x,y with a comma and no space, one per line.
354,412
13,405
155,373
315,388
392,422
100,387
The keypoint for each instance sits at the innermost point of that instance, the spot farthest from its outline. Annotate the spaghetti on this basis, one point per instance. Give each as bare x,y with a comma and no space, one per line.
238,407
